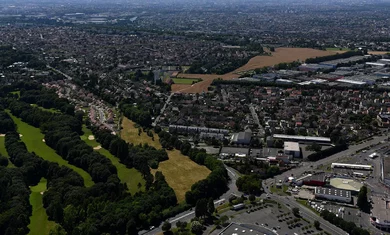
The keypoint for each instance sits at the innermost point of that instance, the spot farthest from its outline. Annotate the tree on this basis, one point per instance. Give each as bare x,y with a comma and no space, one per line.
295,211
166,226
250,184
252,198
314,147
362,201
201,208
210,206
317,224
196,227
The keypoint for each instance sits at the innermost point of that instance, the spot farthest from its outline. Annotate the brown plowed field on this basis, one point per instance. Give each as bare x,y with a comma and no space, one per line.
280,55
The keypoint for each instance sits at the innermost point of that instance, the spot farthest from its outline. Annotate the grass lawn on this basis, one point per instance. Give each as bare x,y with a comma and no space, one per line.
280,191
33,138
52,110
337,49
3,151
180,172
39,223
187,81
131,177
15,92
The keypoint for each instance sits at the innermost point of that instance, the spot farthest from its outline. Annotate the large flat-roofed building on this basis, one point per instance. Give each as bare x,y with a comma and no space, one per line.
346,184
302,139
351,166
385,170
242,138
333,194
292,148
380,213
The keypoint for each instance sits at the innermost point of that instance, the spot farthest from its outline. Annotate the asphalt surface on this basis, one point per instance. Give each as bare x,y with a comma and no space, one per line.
163,109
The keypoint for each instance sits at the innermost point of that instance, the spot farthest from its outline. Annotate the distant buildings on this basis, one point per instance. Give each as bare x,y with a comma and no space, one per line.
241,138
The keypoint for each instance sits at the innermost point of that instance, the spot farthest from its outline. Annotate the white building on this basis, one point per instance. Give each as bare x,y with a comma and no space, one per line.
292,148
333,194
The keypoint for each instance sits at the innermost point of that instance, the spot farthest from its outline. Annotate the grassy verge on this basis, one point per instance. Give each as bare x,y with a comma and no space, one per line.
304,203
3,151
39,222
186,81
33,138
131,177
180,172
280,191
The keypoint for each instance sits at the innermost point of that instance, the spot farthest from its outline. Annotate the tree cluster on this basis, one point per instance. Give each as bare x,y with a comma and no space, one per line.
349,227
6,123
327,152
362,201
138,114
249,184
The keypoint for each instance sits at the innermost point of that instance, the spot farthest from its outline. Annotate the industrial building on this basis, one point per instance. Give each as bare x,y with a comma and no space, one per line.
302,139
292,148
243,138
346,184
195,129
380,213
383,119
313,179
351,166
236,229
333,194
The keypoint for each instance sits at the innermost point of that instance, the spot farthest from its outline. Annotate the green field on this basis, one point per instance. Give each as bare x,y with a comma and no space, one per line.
52,110
187,81
16,92
39,223
33,138
131,177
337,49
3,151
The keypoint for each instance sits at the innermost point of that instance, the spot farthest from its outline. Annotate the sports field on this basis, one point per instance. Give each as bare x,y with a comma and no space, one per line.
187,81
131,177
33,138
39,223
180,172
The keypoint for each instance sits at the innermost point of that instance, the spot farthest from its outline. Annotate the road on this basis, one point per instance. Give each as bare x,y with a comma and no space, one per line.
58,71
163,109
186,216
256,118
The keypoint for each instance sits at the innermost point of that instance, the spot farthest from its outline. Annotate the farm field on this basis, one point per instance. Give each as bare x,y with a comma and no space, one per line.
33,138
187,81
280,55
39,222
131,177
180,172
3,151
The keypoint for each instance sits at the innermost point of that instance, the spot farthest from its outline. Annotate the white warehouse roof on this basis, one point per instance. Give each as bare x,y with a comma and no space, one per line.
291,146
301,137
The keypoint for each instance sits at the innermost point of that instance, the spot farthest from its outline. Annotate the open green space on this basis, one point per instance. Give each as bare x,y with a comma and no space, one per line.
16,92
34,140
337,49
131,177
3,151
52,110
187,81
39,222
280,191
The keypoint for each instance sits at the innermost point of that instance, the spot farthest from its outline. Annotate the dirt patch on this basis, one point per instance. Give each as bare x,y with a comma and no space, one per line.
43,140
2,135
279,56
91,137
97,147
20,135
41,193
378,52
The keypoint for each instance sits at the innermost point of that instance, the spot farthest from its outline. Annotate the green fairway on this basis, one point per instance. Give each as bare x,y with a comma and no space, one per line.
52,110
187,81
39,223
16,92
33,138
131,177
3,151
